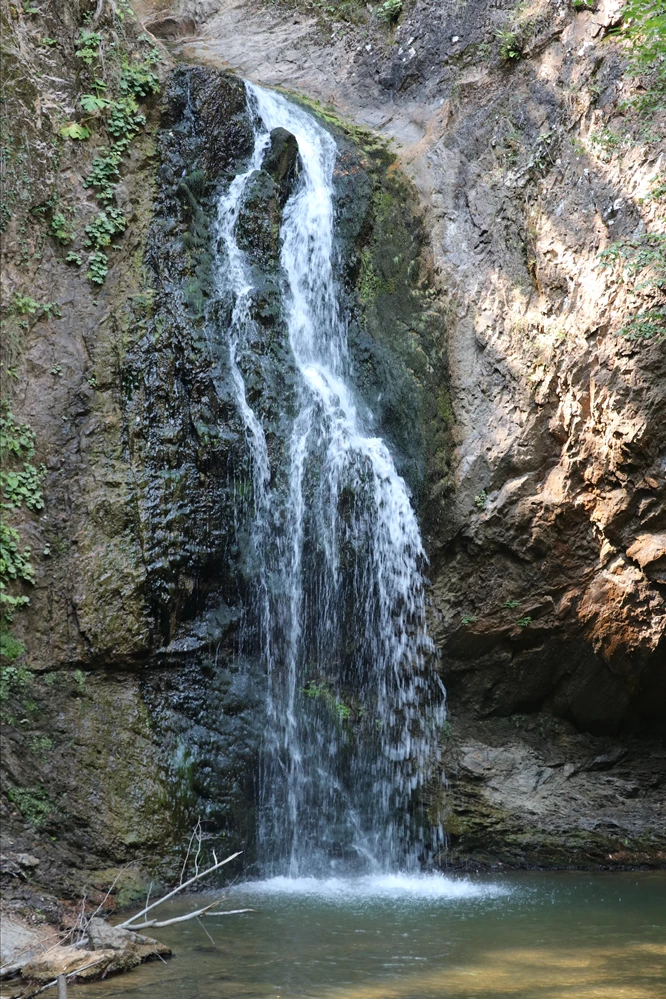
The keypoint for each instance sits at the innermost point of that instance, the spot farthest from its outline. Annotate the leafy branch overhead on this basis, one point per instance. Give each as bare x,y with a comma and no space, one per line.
644,27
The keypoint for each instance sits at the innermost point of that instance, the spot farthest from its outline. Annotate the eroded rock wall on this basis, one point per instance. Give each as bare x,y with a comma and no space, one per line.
548,547
130,714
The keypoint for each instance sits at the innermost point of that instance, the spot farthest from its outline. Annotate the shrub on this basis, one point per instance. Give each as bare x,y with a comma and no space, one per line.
511,44
644,26
33,803
390,11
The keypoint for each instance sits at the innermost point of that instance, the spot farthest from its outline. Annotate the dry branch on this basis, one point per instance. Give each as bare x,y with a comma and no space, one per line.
174,920
129,924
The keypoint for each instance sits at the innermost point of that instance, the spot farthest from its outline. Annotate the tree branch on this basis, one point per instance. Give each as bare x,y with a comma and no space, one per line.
128,923
175,920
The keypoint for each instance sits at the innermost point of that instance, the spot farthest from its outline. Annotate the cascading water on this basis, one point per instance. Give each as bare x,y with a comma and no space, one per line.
354,706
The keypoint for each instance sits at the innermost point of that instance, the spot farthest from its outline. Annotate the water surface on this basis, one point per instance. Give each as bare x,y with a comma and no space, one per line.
531,934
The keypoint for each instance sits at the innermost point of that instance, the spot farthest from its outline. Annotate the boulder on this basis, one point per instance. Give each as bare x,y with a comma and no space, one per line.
19,943
281,161
108,949
103,937
171,27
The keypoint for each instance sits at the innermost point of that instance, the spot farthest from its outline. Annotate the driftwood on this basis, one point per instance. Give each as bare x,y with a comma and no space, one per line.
173,920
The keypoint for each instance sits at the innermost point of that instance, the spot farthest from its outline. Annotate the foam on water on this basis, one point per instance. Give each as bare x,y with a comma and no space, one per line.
377,888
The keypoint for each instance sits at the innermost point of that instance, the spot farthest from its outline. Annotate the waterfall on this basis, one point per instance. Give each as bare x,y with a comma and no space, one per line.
354,705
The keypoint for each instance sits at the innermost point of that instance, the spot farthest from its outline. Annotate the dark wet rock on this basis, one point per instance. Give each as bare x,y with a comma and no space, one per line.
141,663
281,161
258,225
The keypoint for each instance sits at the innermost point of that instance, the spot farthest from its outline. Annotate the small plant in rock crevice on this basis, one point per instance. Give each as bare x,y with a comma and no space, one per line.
13,677
648,324
643,255
61,230
40,745
389,11
642,263
75,130
321,693
606,141
87,46
524,23
657,188
33,803
510,45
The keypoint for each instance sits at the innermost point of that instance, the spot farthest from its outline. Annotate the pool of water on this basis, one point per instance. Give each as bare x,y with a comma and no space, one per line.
531,934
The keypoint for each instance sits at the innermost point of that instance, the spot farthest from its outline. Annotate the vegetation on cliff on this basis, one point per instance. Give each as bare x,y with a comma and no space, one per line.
46,216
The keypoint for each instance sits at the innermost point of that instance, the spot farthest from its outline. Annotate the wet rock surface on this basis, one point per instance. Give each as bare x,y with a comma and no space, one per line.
281,161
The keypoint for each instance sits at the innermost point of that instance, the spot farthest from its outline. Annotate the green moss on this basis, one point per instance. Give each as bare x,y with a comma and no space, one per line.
128,887
364,139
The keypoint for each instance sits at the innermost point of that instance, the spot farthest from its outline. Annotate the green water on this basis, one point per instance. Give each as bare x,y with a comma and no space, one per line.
532,934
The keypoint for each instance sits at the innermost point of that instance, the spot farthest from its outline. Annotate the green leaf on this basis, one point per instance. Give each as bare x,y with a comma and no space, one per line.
92,103
74,130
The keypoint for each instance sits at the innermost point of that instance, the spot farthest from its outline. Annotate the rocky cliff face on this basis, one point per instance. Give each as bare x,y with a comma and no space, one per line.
138,704
541,171
529,427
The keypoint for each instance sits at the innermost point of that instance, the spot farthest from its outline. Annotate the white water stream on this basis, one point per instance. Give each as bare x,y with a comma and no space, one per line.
354,705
